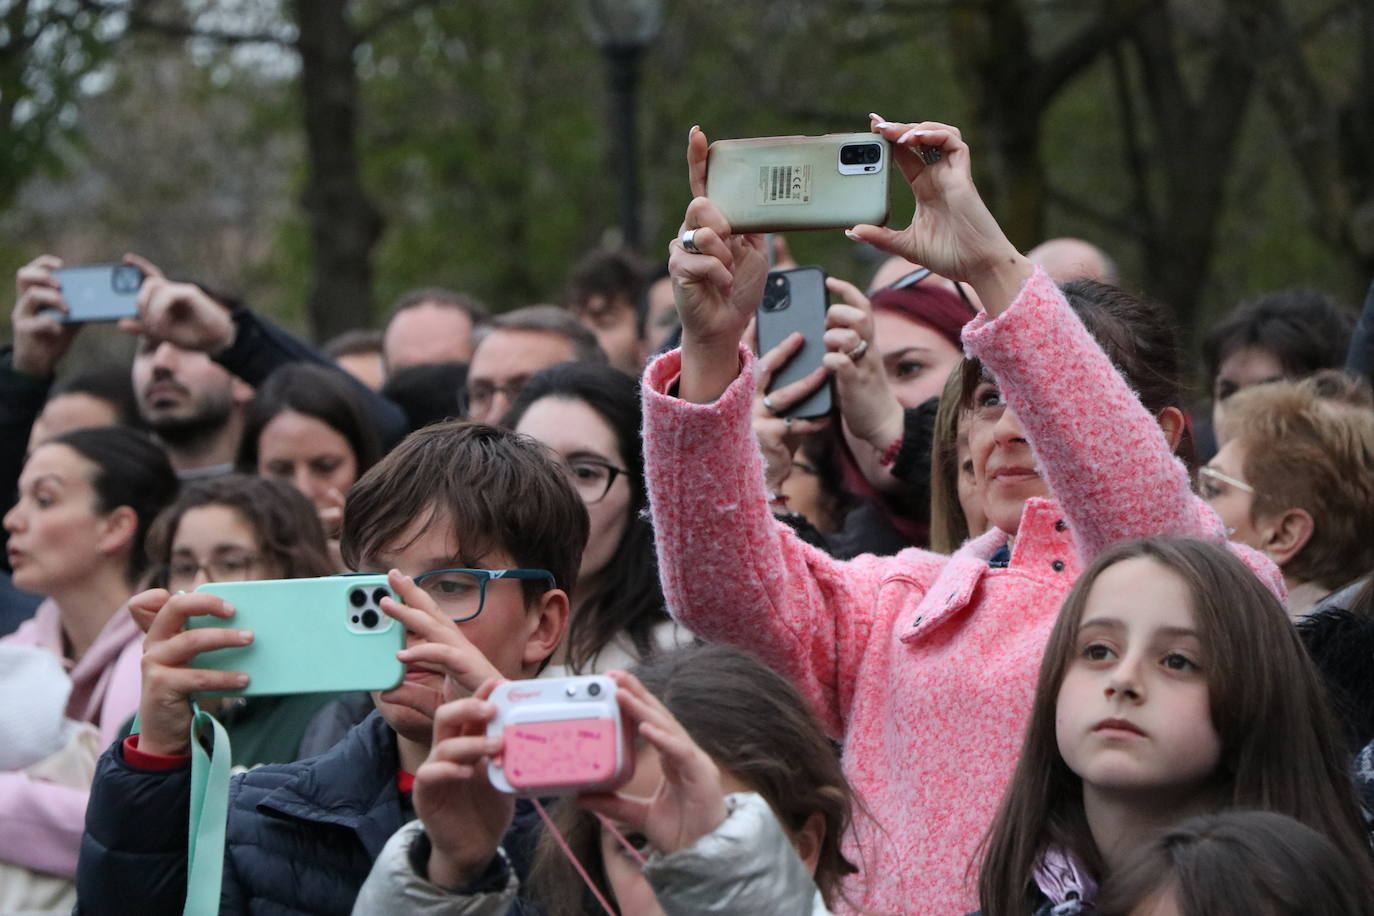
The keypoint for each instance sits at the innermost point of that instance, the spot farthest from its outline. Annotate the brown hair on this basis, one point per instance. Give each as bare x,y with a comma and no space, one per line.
1240,863
548,319
948,526
1139,337
1280,750
286,524
495,489
755,725
1310,445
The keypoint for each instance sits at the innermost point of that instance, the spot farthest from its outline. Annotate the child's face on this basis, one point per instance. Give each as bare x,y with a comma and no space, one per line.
499,632
1132,713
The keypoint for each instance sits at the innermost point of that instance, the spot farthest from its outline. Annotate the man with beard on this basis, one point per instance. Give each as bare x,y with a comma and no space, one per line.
198,361
193,404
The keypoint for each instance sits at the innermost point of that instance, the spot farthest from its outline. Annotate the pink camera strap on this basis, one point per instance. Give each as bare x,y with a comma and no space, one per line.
567,851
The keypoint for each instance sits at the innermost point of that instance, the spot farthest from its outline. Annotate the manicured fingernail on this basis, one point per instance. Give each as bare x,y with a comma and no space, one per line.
853,236
907,137
245,636
695,128
241,680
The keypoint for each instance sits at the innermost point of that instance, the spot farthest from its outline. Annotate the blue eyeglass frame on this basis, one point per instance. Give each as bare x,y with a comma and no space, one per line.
486,575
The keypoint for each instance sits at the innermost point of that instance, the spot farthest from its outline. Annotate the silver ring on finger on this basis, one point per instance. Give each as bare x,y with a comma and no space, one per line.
858,352
689,241
768,405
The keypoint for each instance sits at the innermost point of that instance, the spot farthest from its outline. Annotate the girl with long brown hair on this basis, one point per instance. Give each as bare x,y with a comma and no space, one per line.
1173,684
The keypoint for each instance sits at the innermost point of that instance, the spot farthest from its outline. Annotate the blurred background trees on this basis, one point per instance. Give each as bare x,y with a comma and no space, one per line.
320,156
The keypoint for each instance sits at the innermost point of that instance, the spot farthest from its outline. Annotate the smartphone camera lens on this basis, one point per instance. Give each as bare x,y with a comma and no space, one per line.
126,279
357,597
872,153
849,155
594,690
379,594
371,619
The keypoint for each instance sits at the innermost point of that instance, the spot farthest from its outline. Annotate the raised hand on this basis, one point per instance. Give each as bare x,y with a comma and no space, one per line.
464,815
716,287
952,232
689,802
778,437
441,647
181,313
41,338
164,707
871,412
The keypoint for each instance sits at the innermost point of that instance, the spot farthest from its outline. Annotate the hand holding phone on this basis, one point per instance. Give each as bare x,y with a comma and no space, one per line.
688,802
41,337
716,287
560,736
169,680
464,815
181,313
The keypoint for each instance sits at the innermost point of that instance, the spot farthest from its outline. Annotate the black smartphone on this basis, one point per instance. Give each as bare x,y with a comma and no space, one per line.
100,292
795,301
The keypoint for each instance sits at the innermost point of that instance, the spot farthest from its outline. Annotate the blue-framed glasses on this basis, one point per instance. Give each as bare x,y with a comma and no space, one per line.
460,593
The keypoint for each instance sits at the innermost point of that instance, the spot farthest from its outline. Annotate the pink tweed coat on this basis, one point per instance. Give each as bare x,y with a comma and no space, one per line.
923,665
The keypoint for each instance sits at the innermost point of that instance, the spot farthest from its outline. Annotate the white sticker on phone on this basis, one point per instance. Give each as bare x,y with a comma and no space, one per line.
785,184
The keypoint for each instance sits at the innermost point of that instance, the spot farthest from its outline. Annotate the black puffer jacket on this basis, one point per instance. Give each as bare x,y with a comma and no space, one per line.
301,838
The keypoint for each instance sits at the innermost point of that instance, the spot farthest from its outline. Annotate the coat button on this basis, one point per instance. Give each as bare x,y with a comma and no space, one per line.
1057,566
1060,526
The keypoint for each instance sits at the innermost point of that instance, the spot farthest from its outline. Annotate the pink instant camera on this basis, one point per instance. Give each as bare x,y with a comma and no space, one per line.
561,736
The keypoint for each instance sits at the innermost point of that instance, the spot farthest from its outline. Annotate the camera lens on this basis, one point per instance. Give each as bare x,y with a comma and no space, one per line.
594,690
379,594
371,618
357,597
355,618
849,155
872,154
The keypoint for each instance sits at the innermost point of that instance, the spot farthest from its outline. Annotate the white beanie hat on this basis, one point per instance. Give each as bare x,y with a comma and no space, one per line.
33,706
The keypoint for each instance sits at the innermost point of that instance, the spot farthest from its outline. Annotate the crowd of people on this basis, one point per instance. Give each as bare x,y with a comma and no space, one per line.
1019,627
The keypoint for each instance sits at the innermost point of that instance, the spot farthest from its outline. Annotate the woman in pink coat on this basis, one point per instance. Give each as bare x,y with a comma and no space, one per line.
923,665
76,535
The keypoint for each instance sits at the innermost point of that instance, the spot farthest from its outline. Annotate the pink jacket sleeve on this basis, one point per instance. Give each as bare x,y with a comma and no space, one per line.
733,574
43,824
1102,453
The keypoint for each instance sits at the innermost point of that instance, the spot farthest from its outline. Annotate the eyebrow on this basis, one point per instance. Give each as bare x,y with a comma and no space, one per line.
1112,623
49,477
894,354
585,454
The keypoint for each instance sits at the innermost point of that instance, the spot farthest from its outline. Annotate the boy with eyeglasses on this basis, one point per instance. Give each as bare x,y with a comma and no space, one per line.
499,530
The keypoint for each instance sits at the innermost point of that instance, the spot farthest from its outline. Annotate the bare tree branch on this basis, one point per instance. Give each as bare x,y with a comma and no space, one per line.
1080,51
1081,207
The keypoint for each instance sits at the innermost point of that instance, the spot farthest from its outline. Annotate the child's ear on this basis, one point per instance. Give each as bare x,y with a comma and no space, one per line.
545,623
809,839
1173,423
118,528
1286,533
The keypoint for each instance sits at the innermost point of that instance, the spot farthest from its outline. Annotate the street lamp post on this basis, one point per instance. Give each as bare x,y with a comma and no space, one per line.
622,29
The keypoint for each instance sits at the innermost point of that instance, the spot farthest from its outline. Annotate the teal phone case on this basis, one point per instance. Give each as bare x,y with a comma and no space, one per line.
309,636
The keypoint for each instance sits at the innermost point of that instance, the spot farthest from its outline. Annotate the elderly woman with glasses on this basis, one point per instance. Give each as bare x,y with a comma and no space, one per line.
590,416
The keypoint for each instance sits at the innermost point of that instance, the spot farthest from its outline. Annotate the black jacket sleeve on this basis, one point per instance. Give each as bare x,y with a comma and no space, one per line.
133,853
21,400
1359,359
260,347
912,465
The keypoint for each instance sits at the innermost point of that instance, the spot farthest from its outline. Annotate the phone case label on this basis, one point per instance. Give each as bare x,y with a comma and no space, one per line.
539,754
784,184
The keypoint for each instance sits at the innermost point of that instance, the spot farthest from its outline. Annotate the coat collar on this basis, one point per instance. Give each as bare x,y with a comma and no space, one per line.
1044,548
352,786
